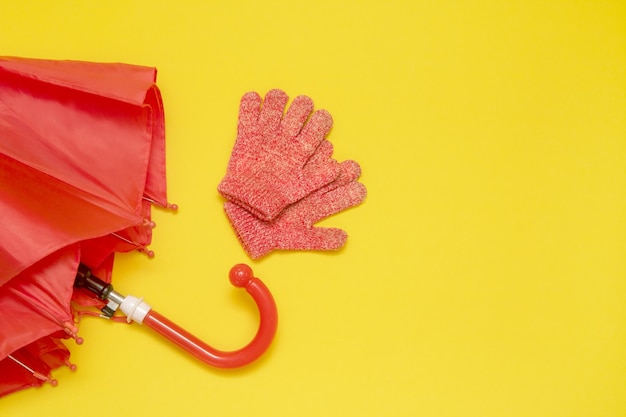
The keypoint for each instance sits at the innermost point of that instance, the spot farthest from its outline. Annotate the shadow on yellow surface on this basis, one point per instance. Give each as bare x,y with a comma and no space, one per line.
484,274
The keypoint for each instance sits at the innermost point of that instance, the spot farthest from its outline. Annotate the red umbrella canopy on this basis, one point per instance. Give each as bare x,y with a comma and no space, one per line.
81,154
82,159
36,314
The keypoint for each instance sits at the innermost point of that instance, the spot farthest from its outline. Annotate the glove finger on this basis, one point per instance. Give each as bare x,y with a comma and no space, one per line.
272,111
348,171
323,153
259,238
317,176
249,109
315,130
298,112
335,201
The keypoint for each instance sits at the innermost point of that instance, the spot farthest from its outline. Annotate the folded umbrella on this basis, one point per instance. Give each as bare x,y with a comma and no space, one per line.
36,314
78,138
82,161
44,354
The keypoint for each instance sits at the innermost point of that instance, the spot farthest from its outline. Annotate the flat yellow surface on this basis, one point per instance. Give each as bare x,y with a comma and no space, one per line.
485,275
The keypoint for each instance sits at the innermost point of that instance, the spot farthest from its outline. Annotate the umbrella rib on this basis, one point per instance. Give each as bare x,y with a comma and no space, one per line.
140,248
68,327
22,364
31,302
130,242
170,206
34,373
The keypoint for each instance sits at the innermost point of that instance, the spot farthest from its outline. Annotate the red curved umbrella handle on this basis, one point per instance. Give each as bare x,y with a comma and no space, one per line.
240,276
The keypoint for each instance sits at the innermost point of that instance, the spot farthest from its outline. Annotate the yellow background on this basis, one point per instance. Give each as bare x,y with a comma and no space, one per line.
483,276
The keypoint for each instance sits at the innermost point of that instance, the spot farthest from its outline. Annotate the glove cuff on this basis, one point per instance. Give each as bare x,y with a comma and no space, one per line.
258,194
254,235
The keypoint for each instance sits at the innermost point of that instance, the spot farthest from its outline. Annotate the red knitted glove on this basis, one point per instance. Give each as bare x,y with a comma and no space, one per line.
293,228
268,167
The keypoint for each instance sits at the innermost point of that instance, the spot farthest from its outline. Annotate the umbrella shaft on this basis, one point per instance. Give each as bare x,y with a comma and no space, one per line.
104,291
85,279
116,297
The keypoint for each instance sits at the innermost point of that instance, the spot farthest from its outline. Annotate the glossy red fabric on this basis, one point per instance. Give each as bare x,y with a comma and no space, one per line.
44,354
82,156
80,145
36,302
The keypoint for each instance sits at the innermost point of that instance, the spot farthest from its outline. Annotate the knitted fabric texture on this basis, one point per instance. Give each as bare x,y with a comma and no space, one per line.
269,167
294,228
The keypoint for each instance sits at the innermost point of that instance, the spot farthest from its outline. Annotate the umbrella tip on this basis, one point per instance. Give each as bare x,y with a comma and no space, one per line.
46,378
140,247
70,365
148,223
72,331
170,206
149,253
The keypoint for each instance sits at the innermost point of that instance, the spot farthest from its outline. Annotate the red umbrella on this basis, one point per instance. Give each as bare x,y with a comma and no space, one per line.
36,312
78,136
82,160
